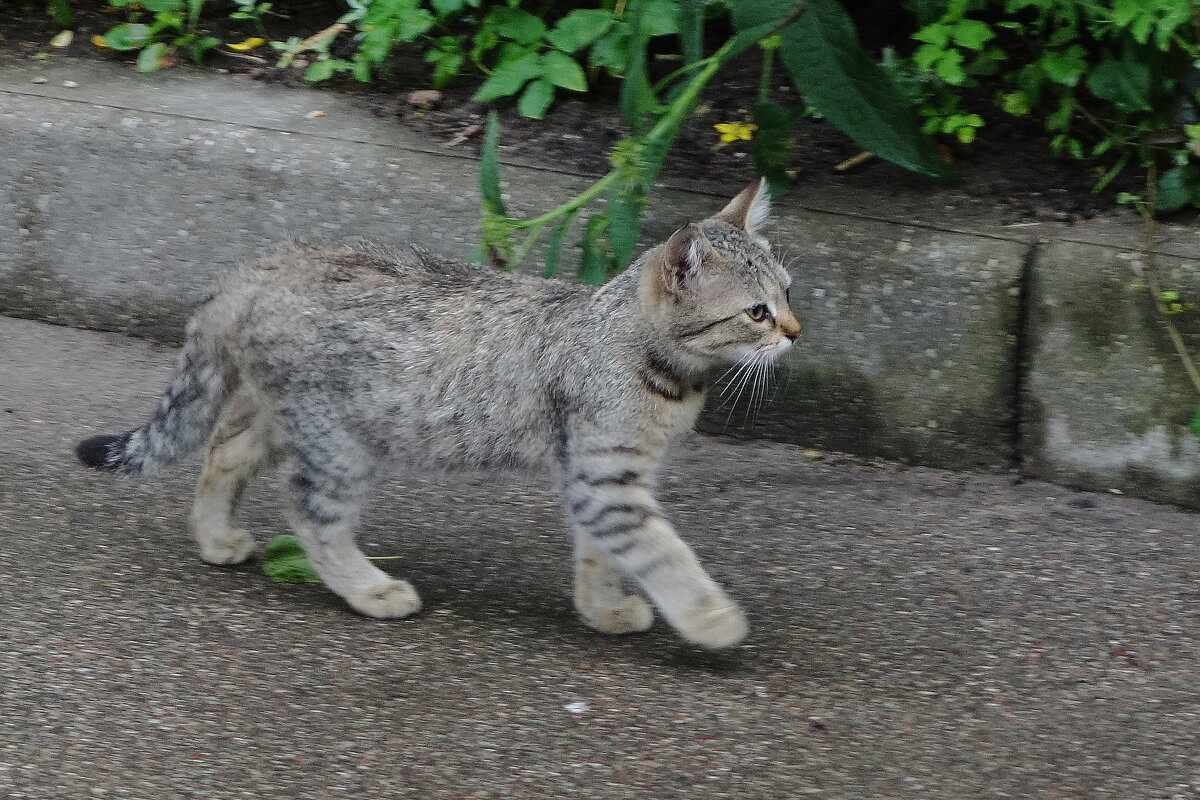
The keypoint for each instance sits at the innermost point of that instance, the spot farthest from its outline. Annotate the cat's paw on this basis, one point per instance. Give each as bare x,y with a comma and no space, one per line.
229,547
632,615
386,600
713,624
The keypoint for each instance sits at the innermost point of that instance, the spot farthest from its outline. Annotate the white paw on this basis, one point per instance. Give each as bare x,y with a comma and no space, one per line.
713,625
632,615
386,600
228,547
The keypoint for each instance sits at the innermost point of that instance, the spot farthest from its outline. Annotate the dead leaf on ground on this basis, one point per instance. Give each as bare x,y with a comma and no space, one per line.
425,98
63,39
315,114
469,132
246,44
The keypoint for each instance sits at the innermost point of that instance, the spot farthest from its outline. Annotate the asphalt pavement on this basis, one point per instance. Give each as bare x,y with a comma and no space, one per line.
915,633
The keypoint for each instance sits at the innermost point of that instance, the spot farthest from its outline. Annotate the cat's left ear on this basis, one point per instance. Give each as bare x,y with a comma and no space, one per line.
681,261
749,210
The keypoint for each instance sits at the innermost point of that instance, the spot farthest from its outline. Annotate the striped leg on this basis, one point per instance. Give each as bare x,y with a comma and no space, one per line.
613,513
329,487
238,451
601,596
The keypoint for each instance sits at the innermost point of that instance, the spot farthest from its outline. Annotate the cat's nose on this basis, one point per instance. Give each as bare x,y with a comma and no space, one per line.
792,335
790,328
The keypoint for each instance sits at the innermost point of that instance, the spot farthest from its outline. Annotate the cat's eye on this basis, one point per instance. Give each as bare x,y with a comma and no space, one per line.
758,312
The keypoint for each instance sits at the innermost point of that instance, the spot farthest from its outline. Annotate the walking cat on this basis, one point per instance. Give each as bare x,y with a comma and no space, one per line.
335,361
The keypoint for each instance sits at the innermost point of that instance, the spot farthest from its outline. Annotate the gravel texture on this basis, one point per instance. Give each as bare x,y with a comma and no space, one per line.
916,633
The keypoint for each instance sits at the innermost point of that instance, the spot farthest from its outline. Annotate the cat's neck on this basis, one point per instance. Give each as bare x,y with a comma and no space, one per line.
620,301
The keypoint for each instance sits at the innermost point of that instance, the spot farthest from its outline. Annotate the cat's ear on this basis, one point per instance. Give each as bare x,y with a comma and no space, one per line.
681,260
749,210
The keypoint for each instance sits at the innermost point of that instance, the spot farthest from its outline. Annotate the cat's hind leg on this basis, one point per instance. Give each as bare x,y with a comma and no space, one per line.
329,483
239,450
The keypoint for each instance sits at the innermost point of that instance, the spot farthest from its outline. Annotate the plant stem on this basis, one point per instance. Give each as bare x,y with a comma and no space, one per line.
590,194
764,78
1149,225
665,129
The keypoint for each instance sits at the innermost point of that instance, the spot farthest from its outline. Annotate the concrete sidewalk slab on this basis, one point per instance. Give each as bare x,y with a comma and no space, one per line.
915,633
1107,401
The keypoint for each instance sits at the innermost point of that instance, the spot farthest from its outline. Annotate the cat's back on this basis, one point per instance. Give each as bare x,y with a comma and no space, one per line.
370,275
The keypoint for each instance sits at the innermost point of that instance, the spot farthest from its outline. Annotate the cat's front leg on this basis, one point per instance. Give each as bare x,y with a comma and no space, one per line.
613,513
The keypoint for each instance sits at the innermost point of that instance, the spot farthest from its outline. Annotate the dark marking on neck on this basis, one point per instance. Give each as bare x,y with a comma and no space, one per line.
674,394
662,378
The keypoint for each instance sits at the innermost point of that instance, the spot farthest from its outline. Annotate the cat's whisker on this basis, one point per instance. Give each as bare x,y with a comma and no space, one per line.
746,376
742,366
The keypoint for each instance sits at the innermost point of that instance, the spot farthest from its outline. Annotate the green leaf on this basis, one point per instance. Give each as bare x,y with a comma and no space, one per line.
130,36
949,68
591,260
691,30
562,70
659,17
361,69
162,5
1194,425
319,71
444,8
636,96
937,35
821,53
1177,187
554,245
580,28
61,12
508,78
754,19
446,66
927,55
772,146
201,47
489,168
151,58
513,23
611,51
1015,103
972,34
1124,83
536,98
286,562
1066,66
625,223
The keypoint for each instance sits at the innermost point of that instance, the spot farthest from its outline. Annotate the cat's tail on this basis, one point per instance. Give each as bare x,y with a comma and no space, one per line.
181,423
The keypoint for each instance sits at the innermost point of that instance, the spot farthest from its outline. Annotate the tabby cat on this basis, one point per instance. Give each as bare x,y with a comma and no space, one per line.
335,361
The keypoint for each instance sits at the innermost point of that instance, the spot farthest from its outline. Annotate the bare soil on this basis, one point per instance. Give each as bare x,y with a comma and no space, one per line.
1009,172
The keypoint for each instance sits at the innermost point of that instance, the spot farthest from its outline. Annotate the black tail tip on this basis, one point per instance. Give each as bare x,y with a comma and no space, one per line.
96,451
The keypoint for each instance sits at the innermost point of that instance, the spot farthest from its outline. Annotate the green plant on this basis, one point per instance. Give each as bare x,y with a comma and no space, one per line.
251,10
817,45
61,12
173,26
1109,77
1169,302
519,54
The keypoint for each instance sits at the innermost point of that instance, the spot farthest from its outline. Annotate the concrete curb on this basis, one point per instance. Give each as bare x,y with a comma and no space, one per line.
120,200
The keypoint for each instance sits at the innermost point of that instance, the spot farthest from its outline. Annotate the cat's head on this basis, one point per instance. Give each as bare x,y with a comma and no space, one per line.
717,291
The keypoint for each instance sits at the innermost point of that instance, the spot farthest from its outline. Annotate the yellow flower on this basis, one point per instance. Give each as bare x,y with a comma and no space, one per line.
248,44
735,131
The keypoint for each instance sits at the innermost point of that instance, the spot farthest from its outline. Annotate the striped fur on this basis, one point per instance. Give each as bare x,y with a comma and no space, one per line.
339,361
